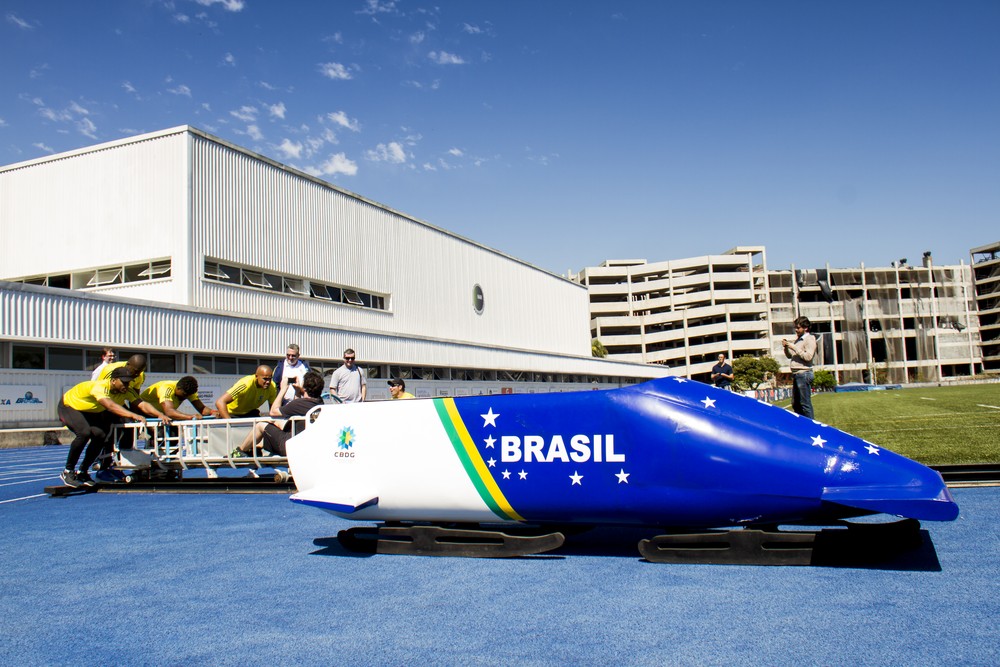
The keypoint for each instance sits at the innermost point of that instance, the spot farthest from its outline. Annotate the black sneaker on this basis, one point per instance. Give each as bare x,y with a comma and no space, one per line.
69,478
85,479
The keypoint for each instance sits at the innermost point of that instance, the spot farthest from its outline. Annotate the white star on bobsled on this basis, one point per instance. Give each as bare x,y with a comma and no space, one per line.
622,476
493,463
872,449
490,418
709,402
489,441
818,441
576,477
506,474
680,379
522,474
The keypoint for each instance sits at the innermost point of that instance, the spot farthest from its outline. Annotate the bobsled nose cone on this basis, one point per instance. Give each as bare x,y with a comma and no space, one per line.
925,498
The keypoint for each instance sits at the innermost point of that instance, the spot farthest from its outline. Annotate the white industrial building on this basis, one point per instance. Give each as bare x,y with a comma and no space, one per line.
210,259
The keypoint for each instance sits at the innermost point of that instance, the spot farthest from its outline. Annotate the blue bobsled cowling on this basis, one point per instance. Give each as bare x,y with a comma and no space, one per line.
674,452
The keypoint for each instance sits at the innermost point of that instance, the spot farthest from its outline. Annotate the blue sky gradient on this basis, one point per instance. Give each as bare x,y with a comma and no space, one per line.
564,132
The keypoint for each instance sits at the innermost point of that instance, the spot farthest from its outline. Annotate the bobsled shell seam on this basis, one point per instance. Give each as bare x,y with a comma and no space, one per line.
471,460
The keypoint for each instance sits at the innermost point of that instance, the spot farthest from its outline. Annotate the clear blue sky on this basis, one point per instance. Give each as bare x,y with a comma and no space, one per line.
566,132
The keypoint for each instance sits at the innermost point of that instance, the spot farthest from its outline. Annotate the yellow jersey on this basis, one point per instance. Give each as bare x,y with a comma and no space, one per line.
135,384
157,393
248,396
86,396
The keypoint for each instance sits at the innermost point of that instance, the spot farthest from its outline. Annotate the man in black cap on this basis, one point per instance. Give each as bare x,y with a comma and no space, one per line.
87,410
398,389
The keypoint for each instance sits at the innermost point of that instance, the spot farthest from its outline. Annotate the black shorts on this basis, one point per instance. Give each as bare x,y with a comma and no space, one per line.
274,439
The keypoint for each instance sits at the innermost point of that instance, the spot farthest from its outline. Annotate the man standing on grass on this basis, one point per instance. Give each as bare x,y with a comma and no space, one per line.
801,353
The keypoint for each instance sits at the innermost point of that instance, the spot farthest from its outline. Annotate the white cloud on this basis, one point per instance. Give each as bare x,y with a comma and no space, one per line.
445,58
373,7
228,5
254,132
417,37
433,85
87,128
19,22
392,152
277,110
471,29
180,90
339,164
42,147
341,119
3,123
229,59
334,71
129,88
36,72
182,18
77,109
291,150
245,113
427,166
314,144
457,152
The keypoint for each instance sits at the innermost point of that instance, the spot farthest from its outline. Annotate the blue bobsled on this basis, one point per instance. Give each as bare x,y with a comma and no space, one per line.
666,453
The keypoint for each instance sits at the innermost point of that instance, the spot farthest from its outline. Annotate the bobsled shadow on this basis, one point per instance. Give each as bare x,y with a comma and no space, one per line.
331,546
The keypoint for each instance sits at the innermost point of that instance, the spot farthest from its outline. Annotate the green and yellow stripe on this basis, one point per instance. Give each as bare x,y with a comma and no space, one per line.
474,465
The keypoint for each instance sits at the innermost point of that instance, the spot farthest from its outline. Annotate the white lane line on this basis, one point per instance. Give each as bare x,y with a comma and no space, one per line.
924,398
992,407
28,481
14,500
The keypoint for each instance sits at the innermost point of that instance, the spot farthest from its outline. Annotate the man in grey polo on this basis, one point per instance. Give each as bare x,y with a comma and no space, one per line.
348,381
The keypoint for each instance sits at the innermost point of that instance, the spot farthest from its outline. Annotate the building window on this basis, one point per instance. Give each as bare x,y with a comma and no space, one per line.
28,356
162,363
300,287
65,359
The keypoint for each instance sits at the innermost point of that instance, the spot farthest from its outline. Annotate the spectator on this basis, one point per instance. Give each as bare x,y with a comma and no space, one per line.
245,397
288,374
272,436
348,381
801,353
722,373
397,387
107,357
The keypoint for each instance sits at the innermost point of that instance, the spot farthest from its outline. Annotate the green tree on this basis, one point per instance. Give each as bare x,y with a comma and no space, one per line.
750,372
597,348
824,379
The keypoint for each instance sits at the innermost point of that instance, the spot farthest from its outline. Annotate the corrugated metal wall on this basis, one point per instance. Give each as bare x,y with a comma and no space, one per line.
46,315
117,205
251,212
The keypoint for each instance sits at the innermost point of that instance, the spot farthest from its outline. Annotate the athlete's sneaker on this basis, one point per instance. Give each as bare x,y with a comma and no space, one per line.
238,454
85,479
69,478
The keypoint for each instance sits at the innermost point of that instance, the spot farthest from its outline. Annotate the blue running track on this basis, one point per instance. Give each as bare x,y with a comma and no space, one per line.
180,579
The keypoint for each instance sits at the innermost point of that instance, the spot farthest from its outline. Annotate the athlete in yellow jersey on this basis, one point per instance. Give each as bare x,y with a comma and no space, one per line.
245,397
87,410
136,365
167,396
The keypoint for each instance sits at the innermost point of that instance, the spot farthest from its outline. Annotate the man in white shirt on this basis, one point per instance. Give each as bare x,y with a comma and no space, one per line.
108,357
288,374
